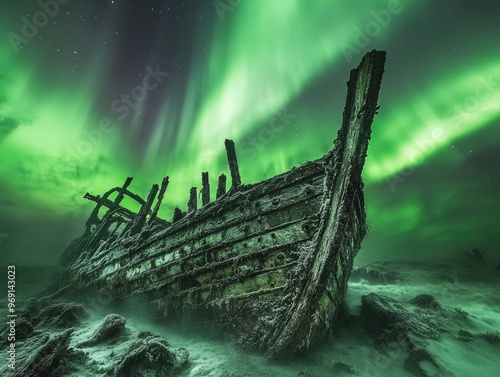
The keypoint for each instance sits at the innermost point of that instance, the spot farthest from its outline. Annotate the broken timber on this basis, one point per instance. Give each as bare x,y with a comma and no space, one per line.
233,163
221,187
265,265
163,189
205,191
193,200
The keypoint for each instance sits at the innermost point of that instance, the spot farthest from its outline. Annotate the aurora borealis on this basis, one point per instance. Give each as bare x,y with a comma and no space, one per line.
271,76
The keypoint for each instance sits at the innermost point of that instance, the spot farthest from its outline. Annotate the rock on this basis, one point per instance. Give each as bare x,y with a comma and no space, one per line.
305,374
386,319
29,310
408,328
31,305
151,355
341,366
422,364
405,328
378,312
391,322
25,314
63,315
23,329
45,351
426,301
50,360
145,334
465,336
375,274
45,302
149,334
477,256
492,337
460,314
111,328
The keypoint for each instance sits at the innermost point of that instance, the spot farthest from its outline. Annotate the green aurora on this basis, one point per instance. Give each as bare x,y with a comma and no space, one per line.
272,77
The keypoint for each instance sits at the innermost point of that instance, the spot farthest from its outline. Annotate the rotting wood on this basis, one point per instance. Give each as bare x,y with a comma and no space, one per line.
177,215
221,187
163,189
232,161
205,191
343,180
193,200
214,229
266,263
140,220
122,192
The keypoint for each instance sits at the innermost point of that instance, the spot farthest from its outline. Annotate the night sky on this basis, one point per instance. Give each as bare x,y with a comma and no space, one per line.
95,91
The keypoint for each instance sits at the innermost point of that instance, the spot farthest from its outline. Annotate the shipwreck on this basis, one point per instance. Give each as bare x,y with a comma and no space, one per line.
265,265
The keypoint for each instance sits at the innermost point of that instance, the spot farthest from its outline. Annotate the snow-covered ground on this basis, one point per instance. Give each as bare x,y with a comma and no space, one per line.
455,333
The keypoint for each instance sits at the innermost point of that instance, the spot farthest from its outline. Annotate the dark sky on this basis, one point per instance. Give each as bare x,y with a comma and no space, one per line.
79,113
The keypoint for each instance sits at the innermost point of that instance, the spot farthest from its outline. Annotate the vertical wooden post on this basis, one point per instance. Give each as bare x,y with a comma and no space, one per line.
149,202
177,215
164,185
193,200
221,187
233,163
143,212
205,191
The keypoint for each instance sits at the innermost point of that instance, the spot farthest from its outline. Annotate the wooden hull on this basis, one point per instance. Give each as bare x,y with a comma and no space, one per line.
265,265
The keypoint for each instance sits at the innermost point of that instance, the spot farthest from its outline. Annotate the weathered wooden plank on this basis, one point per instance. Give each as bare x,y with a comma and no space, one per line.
283,236
344,183
193,200
311,171
232,161
140,220
261,222
234,285
205,191
309,194
221,187
163,189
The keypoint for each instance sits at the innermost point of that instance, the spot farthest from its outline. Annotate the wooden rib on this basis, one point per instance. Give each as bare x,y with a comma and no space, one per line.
164,185
143,212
